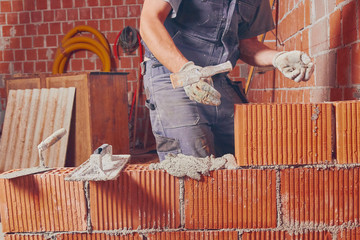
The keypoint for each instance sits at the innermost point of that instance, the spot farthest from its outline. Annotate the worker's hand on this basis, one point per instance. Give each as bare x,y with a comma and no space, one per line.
191,73
295,65
203,92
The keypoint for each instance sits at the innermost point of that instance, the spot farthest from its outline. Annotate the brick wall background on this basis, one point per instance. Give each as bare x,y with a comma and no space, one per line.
328,31
30,32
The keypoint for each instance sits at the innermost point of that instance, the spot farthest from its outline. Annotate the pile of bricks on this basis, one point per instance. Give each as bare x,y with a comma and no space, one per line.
298,179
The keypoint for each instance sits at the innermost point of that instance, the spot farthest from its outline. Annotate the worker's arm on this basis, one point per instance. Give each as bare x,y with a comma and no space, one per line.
295,65
156,37
256,53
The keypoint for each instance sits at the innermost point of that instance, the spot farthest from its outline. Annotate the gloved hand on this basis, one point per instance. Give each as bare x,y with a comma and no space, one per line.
203,92
190,73
295,65
197,82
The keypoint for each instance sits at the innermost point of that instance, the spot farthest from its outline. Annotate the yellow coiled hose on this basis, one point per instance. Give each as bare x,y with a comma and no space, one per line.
70,44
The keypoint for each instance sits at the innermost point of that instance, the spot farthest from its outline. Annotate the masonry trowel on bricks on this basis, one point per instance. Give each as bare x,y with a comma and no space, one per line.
101,166
48,142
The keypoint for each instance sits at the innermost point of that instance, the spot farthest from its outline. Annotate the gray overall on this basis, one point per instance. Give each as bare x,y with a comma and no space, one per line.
207,32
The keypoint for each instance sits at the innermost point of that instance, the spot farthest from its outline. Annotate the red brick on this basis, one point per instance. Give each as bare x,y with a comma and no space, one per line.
43,29
347,132
349,234
26,42
67,4
343,65
109,13
349,22
318,95
138,199
55,4
188,235
84,13
315,197
319,36
31,54
14,43
2,18
336,94
29,67
277,235
8,55
25,237
42,202
96,13
351,93
30,5
95,236
12,18
39,41
40,67
55,28
60,15
231,199
5,6
355,63
19,55
49,16
24,17
122,11
93,3
277,134
17,6
308,9
67,26
335,29
134,11
76,65
36,17
51,41
72,14
93,23
105,25
4,67
117,24
79,4
41,4
325,72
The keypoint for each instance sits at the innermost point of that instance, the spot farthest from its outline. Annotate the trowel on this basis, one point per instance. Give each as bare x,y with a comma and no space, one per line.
101,166
48,142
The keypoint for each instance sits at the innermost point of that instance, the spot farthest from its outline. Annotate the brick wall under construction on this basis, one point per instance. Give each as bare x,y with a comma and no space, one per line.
298,178
327,30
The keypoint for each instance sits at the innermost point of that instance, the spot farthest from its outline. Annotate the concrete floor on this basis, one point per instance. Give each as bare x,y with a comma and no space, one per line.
1,233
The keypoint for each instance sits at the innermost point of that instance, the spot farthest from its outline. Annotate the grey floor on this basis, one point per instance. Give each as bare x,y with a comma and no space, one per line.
1,233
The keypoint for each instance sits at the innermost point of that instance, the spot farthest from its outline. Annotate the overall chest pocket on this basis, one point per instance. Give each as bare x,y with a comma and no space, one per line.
247,10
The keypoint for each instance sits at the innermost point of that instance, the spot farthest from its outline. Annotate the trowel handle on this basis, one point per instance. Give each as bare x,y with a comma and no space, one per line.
52,139
220,68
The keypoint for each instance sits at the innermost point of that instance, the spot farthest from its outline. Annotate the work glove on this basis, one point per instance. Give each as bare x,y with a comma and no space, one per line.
197,82
295,65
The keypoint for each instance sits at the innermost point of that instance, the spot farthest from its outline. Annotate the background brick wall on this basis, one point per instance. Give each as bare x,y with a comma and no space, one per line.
30,32
328,31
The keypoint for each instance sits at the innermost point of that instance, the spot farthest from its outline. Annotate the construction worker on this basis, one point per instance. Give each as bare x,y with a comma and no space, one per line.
183,37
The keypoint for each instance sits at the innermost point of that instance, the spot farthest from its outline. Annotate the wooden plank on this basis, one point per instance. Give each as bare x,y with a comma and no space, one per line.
30,117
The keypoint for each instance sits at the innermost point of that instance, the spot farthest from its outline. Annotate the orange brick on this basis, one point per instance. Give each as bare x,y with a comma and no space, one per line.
349,234
42,202
347,132
276,134
96,236
190,235
273,235
25,237
139,198
312,197
231,199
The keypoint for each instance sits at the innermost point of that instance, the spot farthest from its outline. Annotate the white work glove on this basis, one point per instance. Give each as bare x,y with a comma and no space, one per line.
295,65
197,82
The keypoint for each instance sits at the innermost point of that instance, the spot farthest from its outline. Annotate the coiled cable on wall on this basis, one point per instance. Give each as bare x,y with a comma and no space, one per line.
69,44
